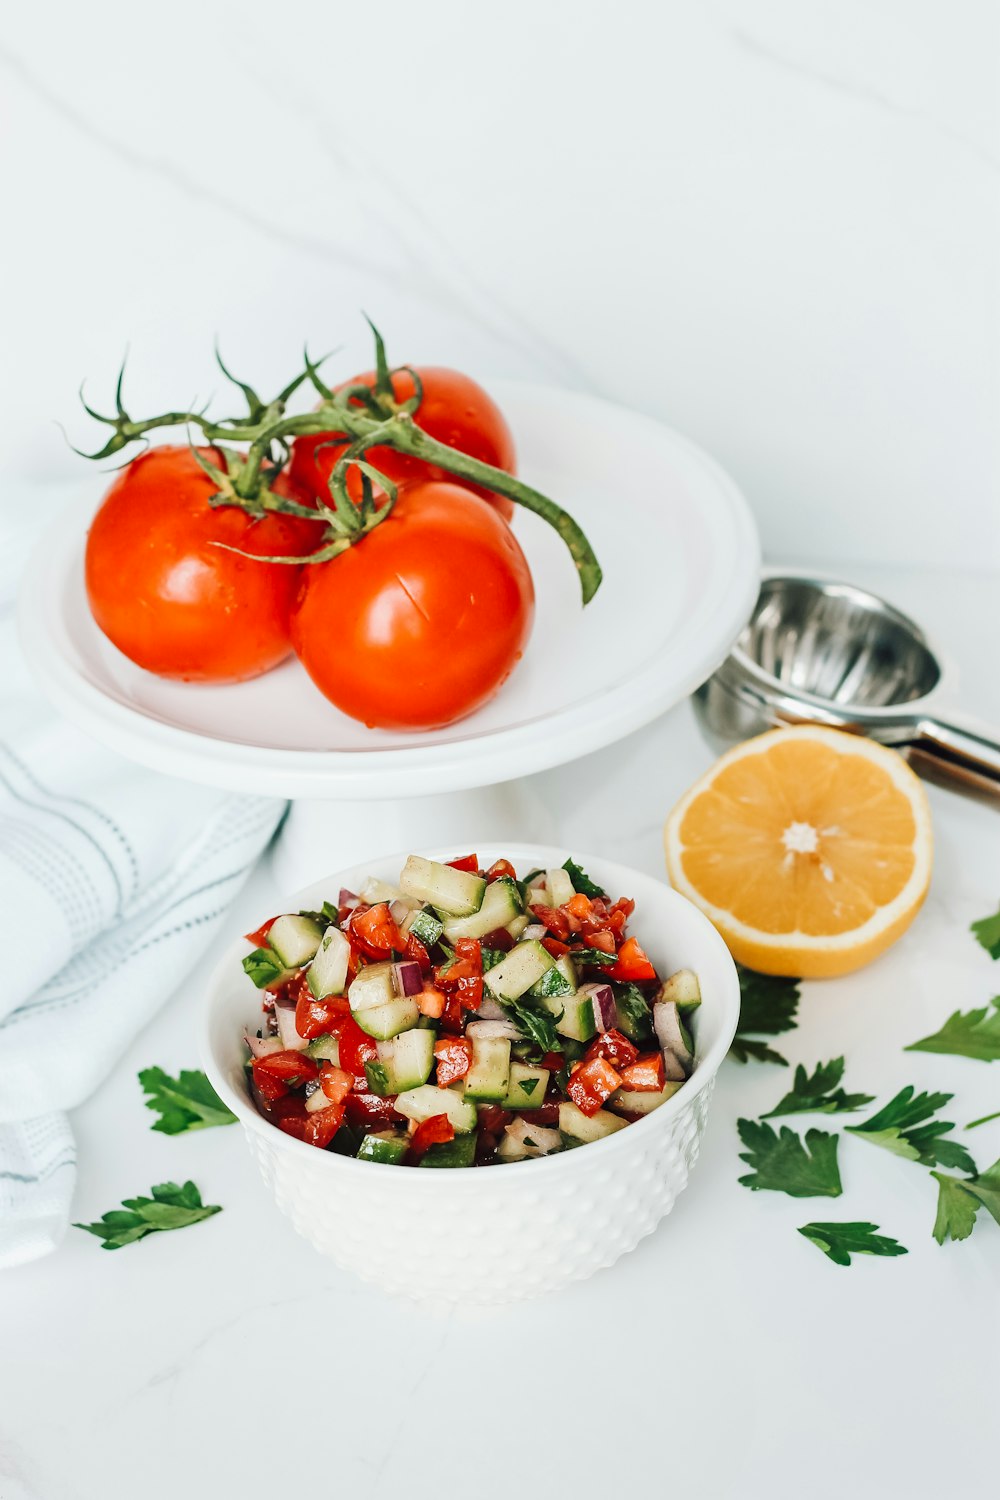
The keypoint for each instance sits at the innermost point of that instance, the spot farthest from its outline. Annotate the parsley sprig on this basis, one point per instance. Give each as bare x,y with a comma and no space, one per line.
187,1102
817,1093
960,1199
170,1207
841,1241
906,1127
783,1163
768,1006
972,1033
987,932
582,882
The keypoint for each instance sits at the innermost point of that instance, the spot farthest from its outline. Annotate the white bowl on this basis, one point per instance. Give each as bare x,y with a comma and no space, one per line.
494,1234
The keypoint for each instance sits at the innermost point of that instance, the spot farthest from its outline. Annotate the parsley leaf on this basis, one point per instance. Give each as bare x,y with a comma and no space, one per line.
527,1085
538,1025
987,932
582,882
187,1102
263,966
635,1018
170,1207
584,955
973,1033
768,1006
819,1093
841,1241
783,1164
960,1199
905,1127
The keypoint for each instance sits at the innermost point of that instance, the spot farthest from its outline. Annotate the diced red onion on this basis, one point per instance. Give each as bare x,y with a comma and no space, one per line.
490,1029
260,1046
603,1000
491,1010
290,1039
534,932
399,911
667,1025
407,976
673,1068
539,1137
348,898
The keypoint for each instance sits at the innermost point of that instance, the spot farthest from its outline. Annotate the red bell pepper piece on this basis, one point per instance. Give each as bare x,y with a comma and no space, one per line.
432,1132
592,1084
613,1046
468,862
501,868
374,931
335,1082
319,1017
632,965
454,1059
317,1128
645,1075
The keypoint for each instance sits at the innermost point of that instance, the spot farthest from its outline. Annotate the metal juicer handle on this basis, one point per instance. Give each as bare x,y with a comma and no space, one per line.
961,752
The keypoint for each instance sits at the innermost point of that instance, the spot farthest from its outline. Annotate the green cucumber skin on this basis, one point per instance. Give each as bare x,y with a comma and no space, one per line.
461,1152
456,892
383,1148
294,939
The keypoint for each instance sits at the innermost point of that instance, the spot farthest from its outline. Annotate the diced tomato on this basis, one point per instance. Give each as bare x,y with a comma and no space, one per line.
613,1046
592,1084
290,1067
554,947
319,1017
317,1128
553,919
553,1061
578,906
493,1118
432,1132
501,868
418,953
464,975
259,938
356,1047
335,1082
546,1114
451,1017
454,1058
632,965
646,1074
468,862
374,931
364,1108
431,1002
604,941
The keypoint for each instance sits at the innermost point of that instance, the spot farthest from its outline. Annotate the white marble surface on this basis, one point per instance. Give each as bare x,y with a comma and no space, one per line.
725,1359
771,224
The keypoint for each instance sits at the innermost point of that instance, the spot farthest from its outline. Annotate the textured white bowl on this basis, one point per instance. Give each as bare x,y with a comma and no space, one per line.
495,1234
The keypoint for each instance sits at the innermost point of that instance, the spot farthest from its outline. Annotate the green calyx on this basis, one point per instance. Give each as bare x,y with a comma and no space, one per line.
359,415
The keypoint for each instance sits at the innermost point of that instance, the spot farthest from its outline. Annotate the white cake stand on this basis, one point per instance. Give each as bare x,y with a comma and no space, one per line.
681,566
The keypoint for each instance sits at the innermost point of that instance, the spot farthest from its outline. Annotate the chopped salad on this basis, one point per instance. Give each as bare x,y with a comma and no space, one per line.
464,1017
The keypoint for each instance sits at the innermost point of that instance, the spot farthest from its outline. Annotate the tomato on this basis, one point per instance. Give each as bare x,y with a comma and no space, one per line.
316,1128
335,1083
319,1017
432,1132
463,976
365,1109
356,1047
646,1074
467,862
453,1056
172,600
501,869
454,410
374,931
421,621
279,1071
632,964
592,1084
615,1047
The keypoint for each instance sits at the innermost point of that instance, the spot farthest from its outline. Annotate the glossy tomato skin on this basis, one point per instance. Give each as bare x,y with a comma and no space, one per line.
454,409
167,596
421,622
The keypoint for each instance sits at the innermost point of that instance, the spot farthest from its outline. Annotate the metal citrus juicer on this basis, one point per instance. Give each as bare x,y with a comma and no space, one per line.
816,652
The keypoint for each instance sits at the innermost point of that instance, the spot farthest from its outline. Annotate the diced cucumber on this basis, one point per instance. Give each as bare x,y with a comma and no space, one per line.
388,1146
316,1101
577,1018
518,925
521,968
489,1073
375,984
559,980
327,1048
407,1059
501,904
265,968
457,892
567,969
559,886
294,939
538,895
526,1086
328,971
425,926
642,1101
682,988
384,1021
574,1122
461,1152
374,892
425,1102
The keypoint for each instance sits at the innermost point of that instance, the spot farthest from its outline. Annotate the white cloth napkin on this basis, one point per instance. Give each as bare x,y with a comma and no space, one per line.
113,879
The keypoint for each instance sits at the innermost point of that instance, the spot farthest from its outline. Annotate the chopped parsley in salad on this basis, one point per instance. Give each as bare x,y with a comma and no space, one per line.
464,1017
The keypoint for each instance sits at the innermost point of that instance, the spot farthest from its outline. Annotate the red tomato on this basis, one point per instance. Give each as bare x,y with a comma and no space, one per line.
319,1017
429,1133
279,1071
646,1074
454,1059
501,868
615,1047
369,1109
591,1084
375,932
423,620
259,938
632,964
467,862
171,599
355,1047
317,1127
335,1083
454,410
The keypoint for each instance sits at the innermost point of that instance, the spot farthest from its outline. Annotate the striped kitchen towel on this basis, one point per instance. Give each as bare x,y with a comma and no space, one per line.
113,880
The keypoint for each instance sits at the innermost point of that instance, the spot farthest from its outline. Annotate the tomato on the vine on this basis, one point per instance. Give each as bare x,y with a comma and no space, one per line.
173,600
422,620
454,410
